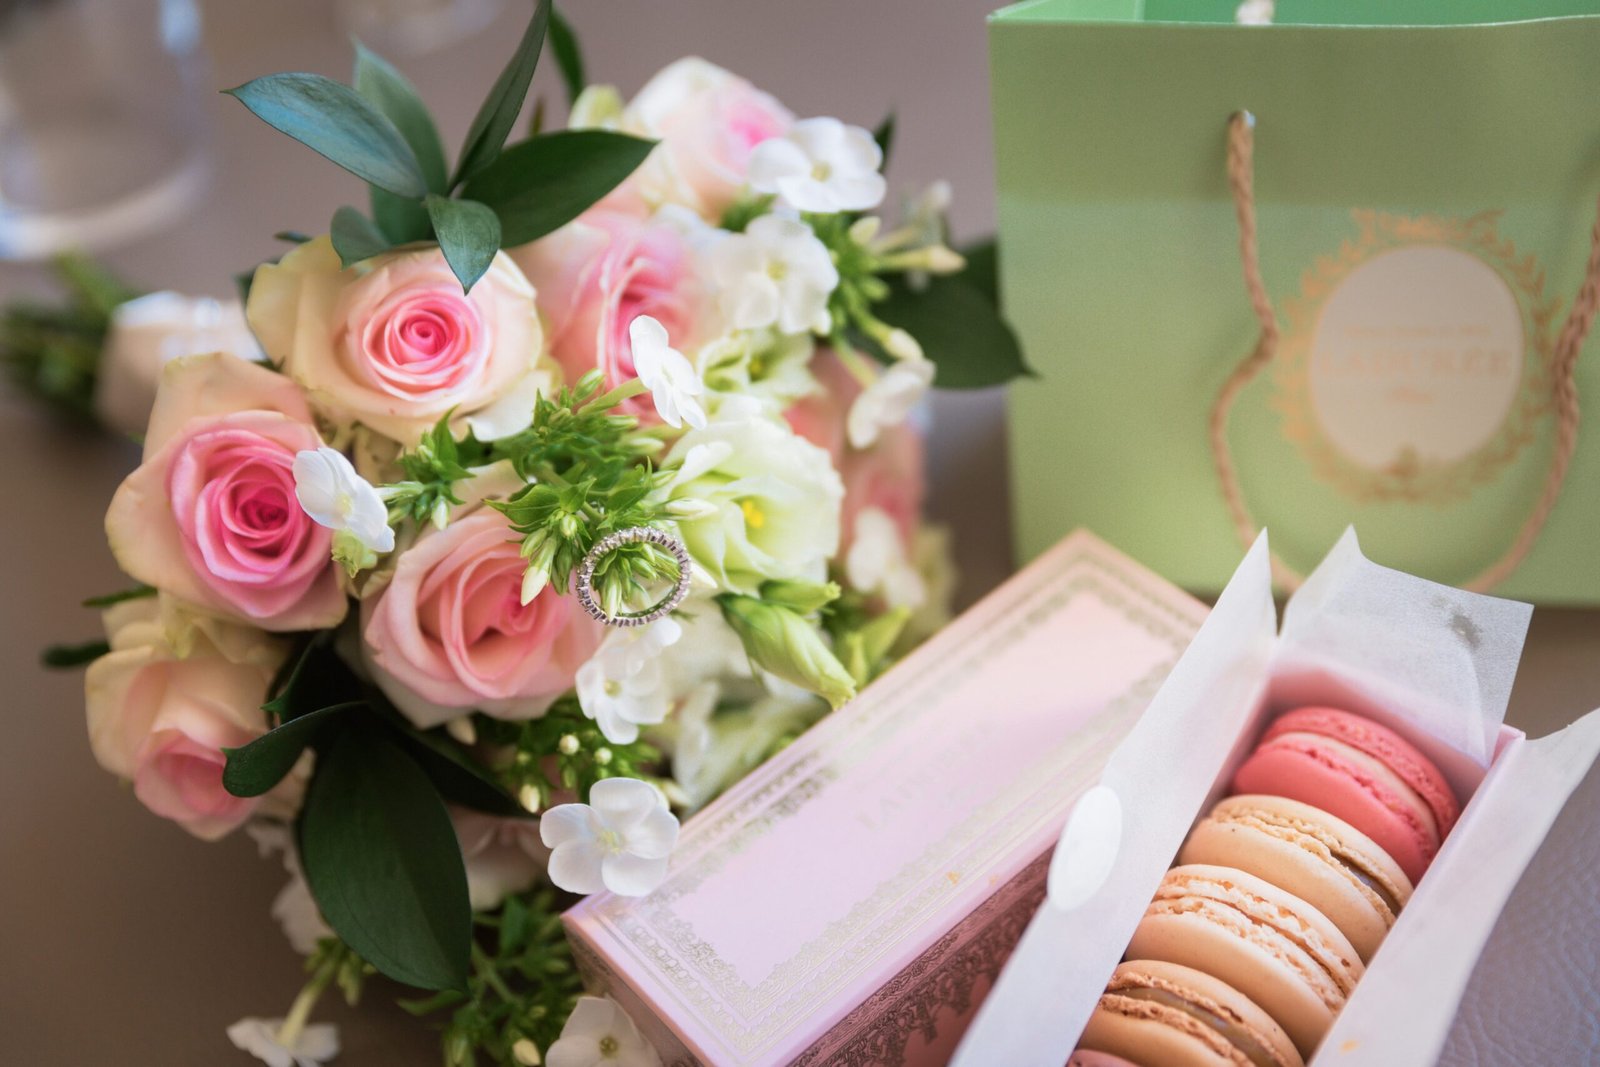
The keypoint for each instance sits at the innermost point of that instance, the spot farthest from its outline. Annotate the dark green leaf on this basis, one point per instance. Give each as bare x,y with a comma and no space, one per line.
354,236
294,237
334,121
388,90
569,57
138,592
959,329
469,236
400,220
494,120
258,766
383,863
242,282
62,656
983,269
318,679
884,135
543,183
458,779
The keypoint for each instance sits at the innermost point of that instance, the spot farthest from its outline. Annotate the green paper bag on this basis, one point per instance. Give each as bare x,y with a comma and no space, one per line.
1425,175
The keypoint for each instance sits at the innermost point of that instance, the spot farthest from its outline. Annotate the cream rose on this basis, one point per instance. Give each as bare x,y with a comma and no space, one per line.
162,721
394,344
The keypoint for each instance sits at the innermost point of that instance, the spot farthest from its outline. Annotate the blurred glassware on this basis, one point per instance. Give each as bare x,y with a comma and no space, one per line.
102,132
411,27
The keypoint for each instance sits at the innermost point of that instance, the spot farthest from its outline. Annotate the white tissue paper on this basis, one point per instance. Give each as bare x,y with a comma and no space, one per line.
1434,662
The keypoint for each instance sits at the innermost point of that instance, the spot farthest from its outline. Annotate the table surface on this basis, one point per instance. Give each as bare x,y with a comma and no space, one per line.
120,935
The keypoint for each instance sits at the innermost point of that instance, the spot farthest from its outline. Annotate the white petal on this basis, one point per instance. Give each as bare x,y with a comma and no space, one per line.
577,866
622,802
774,160
628,875
655,836
860,192
565,824
316,486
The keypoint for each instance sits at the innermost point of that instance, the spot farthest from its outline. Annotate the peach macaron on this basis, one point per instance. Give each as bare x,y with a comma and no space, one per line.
1321,859
1360,772
1273,947
1159,1014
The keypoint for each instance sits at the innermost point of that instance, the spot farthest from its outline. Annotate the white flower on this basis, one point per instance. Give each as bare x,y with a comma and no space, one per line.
294,907
667,373
887,401
777,500
619,841
775,273
314,1044
770,368
715,749
623,685
820,165
1255,13
877,563
335,496
599,1033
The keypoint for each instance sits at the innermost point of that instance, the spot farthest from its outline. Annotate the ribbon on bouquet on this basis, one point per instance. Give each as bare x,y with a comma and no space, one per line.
1569,343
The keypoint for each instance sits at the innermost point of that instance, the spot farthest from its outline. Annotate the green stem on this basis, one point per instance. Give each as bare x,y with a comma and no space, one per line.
300,1011
490,975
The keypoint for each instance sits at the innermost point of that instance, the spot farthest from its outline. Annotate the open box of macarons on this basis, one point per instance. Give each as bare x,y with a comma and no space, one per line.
1296,855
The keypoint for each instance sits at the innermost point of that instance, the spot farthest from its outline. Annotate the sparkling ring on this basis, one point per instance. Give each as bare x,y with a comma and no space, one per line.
612,542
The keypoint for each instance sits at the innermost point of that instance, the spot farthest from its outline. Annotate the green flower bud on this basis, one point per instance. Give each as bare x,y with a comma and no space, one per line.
779,640
350,553
802,597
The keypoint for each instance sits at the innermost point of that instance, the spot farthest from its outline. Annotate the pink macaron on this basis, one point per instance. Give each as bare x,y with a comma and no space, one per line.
1085,1057
1360,772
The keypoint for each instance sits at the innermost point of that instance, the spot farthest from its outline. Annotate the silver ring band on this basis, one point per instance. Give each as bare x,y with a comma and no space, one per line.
610,543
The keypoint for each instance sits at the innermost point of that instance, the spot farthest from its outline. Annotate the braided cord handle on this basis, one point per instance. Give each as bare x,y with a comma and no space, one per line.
1241,182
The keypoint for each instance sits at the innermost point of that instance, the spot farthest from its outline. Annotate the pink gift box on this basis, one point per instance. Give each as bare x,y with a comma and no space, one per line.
851,901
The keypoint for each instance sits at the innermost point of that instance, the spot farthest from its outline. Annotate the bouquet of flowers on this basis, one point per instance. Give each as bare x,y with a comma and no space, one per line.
573,480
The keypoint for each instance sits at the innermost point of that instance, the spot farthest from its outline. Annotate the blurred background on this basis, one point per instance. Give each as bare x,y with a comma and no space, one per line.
122,939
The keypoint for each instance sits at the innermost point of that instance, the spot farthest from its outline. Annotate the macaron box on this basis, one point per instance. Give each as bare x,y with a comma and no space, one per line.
1298,853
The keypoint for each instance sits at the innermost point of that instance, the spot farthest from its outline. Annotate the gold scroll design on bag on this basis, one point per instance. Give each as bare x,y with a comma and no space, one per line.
1408,477
653,932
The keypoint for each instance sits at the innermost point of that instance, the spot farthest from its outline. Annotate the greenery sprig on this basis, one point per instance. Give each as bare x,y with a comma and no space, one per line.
53,351
496,196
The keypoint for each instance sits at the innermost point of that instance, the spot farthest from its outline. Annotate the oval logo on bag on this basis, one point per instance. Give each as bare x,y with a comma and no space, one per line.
1416,361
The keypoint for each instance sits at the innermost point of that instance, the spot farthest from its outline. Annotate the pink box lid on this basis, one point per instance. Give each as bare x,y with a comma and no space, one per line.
803,889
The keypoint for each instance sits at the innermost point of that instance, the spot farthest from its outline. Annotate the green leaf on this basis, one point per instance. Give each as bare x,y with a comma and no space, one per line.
138,592
387,89
884,135
317,679
569,57
959,329
334,121
543,183
63,656
400,220
254,768
293,237
354,236
469,236
983,269
489,129
458,779
383,862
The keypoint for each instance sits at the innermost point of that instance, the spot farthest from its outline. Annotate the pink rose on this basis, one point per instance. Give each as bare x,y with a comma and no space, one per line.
707,121
210,516
449,633
163,721
599,273
394,343
889,476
